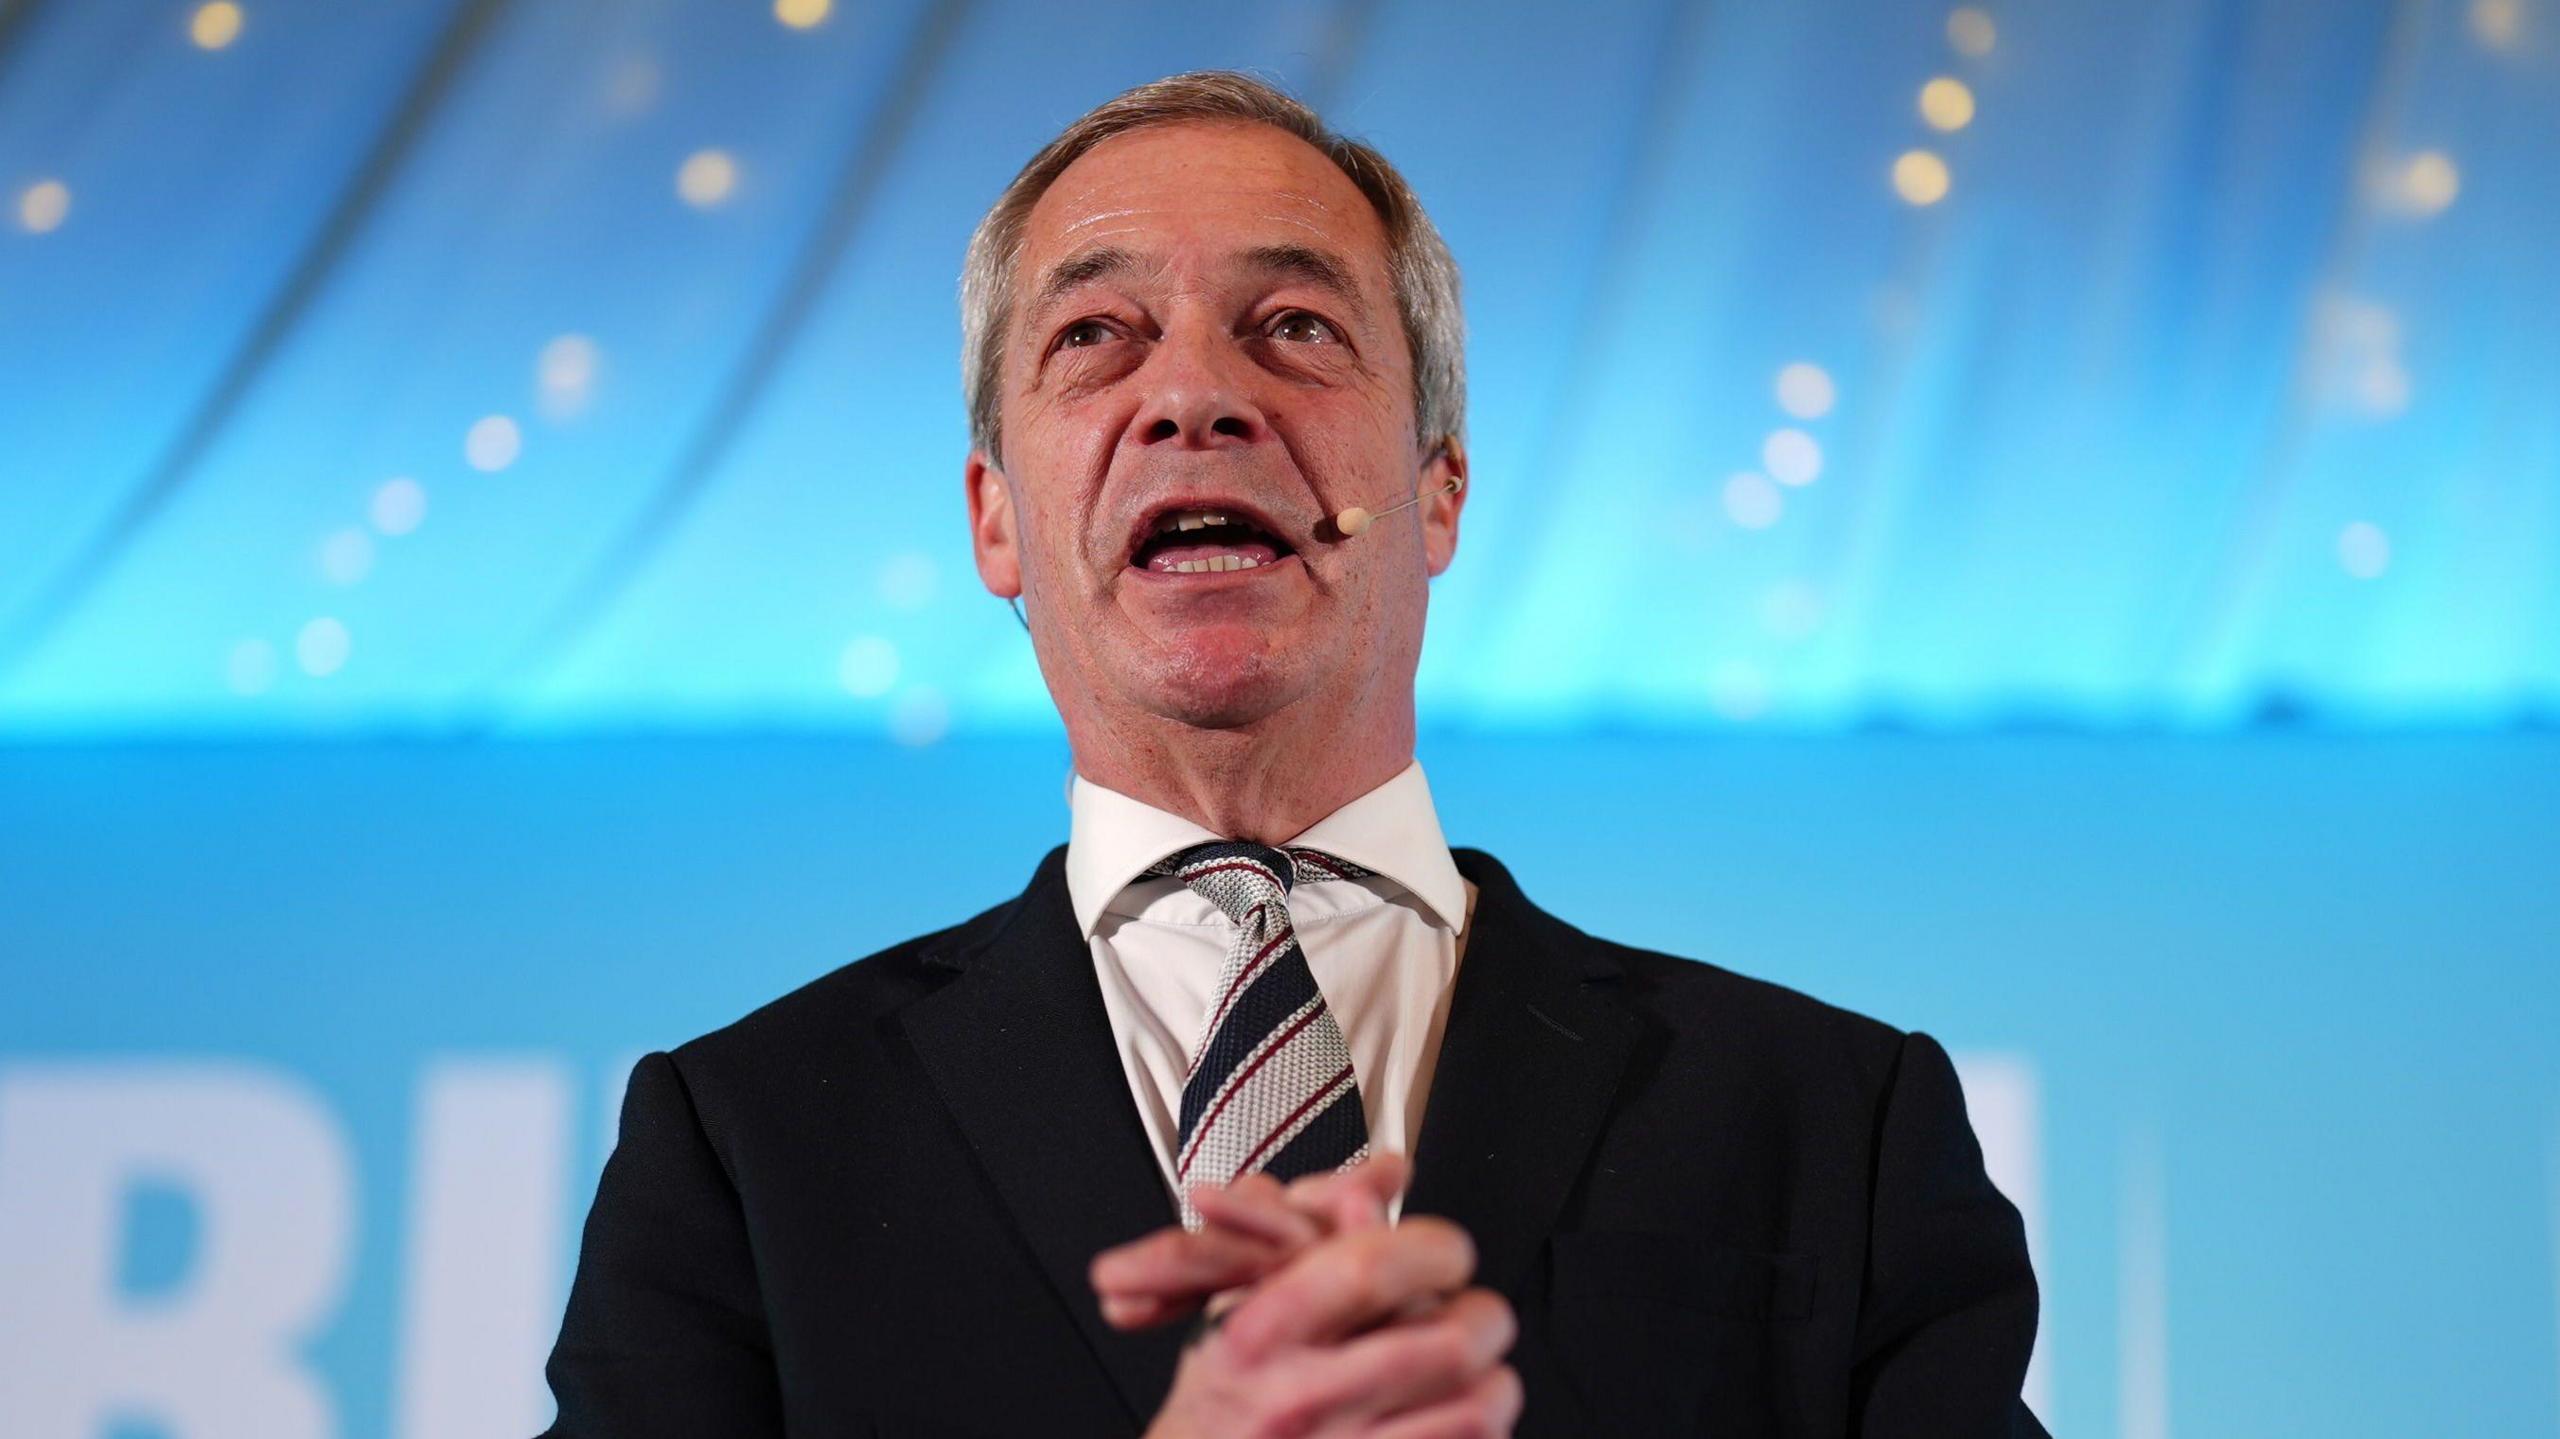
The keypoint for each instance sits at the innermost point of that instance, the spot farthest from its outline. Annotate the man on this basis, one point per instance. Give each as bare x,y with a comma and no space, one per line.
968,1185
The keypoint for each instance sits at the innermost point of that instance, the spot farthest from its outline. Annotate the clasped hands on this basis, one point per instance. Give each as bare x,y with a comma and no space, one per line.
1324,1318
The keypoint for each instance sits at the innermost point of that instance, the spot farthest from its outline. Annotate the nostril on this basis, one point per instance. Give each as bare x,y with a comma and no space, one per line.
1231,427
1161,431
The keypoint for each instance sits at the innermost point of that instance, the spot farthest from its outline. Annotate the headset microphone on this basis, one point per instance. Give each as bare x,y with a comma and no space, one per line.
1355,519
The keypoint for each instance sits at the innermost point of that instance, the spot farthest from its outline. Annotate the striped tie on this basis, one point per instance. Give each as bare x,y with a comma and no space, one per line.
1270,1088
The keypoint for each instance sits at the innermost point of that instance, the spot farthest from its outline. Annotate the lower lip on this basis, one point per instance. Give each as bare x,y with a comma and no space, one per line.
1214,578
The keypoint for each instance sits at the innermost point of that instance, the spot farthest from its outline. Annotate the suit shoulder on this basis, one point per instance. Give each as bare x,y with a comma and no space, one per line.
1780,1024
1696,998
841,1002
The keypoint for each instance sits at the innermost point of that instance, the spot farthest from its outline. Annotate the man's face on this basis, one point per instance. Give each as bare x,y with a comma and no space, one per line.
1203,324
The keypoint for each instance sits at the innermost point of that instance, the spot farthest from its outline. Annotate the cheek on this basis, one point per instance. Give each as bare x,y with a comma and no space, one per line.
1060,487
1072,433
1355,459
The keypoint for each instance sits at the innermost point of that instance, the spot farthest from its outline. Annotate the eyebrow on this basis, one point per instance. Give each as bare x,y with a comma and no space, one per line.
1304,263
1082,268
1102,262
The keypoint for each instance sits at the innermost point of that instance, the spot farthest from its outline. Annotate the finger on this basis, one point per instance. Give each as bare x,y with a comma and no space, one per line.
1173,1259
1349,1282
1127,1312
1406,1365
1357,1208
1381,1177
1145,1311
1122,1311
1338,1202
1177,1267
1354,1198
1258,1208
1383,1173
1490,1405
1256,1185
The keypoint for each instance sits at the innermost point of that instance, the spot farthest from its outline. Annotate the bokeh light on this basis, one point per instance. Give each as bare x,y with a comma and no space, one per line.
565,375
707,178
867,667
1920,177
399,506
2498,24
1971,32
216,25
2415,185
908,580
322,647
250,668
346,556
802,14
2364,550
492,443
1946,103
2431,182
632,86
1752,502
2382,388
919,716
43,206
1805,390
1792,457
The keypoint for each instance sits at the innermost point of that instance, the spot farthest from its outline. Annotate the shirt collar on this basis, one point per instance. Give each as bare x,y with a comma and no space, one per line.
1393,829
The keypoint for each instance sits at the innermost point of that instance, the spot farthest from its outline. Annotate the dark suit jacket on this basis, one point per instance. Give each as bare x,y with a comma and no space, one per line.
1718,1206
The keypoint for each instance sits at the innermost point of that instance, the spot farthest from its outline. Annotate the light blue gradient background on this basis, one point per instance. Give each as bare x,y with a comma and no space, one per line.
2047,719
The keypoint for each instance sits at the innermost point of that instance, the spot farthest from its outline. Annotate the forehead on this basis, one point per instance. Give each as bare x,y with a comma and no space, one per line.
1200,192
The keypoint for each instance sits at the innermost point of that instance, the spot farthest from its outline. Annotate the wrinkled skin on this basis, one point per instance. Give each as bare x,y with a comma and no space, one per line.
1201,364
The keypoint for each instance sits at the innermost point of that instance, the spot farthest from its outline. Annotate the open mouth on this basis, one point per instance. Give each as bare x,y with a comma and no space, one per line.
1208,541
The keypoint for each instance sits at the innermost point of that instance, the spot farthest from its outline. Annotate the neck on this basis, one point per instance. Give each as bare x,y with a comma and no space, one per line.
1266,783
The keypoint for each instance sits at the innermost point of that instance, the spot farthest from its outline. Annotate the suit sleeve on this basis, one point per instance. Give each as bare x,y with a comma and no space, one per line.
1949,1315
665,1332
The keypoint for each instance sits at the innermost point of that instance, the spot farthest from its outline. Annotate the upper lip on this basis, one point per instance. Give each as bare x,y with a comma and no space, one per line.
1244,510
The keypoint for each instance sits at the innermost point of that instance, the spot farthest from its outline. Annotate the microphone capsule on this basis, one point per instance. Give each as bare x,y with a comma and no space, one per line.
1352,521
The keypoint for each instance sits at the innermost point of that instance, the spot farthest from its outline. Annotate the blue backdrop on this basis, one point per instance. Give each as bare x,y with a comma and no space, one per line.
2042,519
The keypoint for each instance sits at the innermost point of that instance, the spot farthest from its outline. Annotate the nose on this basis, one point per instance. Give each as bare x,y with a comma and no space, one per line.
1199,396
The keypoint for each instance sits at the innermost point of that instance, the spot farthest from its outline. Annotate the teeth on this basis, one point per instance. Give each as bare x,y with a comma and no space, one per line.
1193,520
1216,565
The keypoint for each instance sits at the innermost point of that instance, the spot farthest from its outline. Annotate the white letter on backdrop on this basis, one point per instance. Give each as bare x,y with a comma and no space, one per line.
2001,1096
480,1296
266,1171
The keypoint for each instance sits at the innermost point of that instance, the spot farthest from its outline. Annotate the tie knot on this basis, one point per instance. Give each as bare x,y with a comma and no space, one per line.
1237,875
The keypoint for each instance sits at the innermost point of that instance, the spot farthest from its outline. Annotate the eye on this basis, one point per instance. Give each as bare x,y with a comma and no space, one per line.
1302,327
1084,334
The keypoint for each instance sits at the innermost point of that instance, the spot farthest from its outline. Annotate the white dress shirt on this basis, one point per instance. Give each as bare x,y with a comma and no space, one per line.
1384,950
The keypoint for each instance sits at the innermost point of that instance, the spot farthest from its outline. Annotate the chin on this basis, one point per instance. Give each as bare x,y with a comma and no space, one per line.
1219,680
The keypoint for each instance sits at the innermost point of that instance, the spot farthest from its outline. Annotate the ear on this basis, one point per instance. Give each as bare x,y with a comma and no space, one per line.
993,537
1440,510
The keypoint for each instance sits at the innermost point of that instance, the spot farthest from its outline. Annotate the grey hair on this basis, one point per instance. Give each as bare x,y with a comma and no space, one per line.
1423,273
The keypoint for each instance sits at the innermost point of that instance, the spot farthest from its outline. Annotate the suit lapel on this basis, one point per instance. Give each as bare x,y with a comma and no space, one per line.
1532,1053
1020,1049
